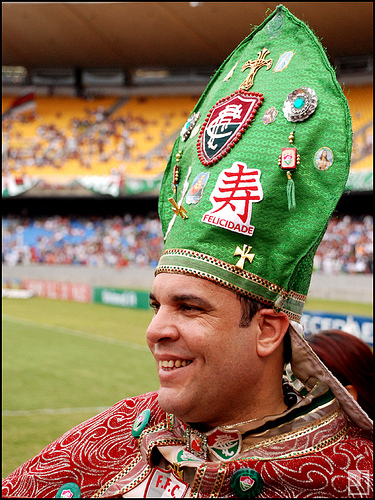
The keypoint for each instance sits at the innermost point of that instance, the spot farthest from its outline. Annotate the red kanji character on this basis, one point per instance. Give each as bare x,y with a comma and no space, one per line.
239,190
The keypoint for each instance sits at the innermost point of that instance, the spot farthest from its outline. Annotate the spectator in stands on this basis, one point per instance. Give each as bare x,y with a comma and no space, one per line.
95,242
346,247
351,362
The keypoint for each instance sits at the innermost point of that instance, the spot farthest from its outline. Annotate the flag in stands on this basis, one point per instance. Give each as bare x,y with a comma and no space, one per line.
23,104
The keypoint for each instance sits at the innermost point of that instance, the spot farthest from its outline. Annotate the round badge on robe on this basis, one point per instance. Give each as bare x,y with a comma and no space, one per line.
69,490
246,483
140,422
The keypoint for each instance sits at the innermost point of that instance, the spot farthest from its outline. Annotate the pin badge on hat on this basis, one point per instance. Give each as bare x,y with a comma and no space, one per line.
189,126
195,193
254,67
298,107
300,104
244,254
178,209
270,115
283,61
323,158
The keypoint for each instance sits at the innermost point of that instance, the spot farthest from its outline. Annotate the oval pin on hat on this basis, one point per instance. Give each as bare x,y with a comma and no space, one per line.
69,490
246,483
140,422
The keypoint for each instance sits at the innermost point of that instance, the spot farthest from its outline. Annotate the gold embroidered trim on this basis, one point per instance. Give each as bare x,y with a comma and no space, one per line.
235,270
120,475
227,267
210,277
170,421
162,442
295,434
219,481
138,480
199,475
172,269
162,426
312,449
272,287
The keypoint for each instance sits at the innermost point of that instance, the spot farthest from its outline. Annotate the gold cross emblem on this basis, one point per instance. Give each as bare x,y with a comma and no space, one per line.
255,66
178,210
245,254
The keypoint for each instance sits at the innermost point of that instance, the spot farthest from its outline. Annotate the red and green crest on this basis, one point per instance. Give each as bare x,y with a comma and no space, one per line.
225,124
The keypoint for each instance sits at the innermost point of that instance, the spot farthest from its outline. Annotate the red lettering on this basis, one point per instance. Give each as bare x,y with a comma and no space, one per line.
159,481
173,490
220,222
167,483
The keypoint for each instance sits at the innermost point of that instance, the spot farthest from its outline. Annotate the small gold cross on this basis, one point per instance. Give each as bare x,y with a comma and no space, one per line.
178,210
254,66
245,254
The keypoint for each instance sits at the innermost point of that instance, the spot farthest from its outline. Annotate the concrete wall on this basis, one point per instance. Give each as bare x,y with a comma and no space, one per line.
349,287
355,288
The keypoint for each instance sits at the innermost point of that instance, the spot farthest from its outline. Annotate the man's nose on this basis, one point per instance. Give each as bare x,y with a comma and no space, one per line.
162,327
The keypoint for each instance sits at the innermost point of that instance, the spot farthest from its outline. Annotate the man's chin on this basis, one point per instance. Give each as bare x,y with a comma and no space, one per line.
180,407
172,402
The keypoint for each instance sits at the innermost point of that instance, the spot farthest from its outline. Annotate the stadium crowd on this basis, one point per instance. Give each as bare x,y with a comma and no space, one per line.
96,242
118,241
347,246
94,138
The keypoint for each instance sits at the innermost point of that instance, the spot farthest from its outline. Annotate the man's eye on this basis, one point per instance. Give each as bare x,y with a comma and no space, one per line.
189,307
155,306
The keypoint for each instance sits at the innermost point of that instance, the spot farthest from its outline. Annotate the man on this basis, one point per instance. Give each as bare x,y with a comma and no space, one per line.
245,408
222,381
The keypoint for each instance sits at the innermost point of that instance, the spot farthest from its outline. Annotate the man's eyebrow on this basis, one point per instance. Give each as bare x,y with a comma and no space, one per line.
196,299
186,297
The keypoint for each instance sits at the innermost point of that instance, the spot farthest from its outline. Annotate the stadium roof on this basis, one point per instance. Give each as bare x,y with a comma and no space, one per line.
171,34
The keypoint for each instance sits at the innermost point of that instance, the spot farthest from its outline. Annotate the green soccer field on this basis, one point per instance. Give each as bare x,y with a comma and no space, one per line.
64,362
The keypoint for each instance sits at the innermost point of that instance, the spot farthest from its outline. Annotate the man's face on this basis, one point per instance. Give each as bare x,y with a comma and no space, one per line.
207,364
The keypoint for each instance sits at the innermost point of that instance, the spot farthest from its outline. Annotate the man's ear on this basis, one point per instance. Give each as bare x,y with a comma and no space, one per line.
272,328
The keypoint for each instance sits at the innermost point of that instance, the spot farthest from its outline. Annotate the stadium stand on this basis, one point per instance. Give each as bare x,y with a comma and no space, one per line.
95,242
361,109
117,241
70,137
75,136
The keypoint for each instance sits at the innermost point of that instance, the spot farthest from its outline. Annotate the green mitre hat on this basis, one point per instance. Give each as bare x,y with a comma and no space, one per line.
258,168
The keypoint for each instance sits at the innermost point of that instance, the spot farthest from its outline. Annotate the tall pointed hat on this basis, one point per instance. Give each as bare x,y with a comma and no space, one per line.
257,170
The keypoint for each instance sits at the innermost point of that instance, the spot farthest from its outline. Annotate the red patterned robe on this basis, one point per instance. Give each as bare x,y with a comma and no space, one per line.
324,456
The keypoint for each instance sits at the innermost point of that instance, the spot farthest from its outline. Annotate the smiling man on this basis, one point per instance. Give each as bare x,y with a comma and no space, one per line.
245,409
213,371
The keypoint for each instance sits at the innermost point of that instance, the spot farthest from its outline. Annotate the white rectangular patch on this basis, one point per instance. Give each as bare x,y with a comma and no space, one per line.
165,484
236,189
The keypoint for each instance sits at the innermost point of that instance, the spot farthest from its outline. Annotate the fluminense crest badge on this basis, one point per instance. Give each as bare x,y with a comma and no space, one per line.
225,124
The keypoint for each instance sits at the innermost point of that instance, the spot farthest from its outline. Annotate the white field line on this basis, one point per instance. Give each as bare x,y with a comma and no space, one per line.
76,333
53,411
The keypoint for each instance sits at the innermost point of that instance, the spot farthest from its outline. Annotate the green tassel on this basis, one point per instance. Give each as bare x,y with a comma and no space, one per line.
290,192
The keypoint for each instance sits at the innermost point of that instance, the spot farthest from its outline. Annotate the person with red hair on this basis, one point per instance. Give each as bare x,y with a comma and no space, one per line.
351,362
